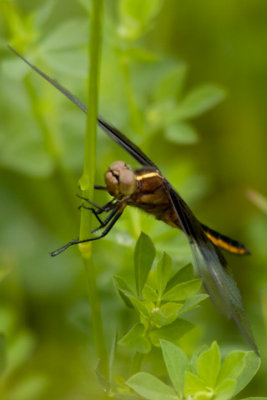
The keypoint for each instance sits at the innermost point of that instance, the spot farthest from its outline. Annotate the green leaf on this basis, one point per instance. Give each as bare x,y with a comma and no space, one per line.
135,339
20,351
143,307
160,114
69,35
172,332
44,12
28,388
182,291
86,6
138,54
70,62
200,100
104,383
165,314
225,390
112,357
255,398
196,386
149,293
124,396
176,363
186,273
252,363
209,364
171,83
240,366
15,69
163,272
192,302
26,155
143,258
181,133
2,353
136,15
232,365
122,286
150,387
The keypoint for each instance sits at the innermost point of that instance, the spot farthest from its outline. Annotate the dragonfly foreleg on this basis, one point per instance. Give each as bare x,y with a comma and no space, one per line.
106,207
90,202
100,187
95,212
113,219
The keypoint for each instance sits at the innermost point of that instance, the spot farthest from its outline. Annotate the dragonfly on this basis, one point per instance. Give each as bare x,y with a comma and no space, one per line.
148,189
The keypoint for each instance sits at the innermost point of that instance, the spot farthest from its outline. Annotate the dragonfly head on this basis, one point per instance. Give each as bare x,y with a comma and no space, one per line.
120,179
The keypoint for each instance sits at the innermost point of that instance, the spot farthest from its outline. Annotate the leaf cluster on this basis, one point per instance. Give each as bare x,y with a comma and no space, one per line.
161,297
203,377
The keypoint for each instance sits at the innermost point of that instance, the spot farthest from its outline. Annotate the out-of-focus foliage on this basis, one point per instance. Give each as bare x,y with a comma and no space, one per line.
203,377
164,65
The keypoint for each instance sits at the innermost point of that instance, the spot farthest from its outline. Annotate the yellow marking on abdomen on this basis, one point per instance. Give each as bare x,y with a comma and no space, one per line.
147,175
224,245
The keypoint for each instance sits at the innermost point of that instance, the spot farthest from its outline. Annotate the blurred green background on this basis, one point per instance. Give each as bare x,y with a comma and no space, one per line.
216,161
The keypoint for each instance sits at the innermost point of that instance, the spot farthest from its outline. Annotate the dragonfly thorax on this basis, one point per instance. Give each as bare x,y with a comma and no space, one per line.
120,179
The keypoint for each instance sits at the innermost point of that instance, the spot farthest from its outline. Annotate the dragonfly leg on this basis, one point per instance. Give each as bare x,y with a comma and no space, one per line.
100,187
107,207
116,215
96,213
90,202
106,221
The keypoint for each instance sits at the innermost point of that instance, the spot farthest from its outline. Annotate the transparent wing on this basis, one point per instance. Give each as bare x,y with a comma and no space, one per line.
212,268
113,132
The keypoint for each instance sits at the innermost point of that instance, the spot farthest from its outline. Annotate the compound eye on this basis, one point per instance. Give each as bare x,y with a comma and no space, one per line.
127,182
116,174
117,166
112,183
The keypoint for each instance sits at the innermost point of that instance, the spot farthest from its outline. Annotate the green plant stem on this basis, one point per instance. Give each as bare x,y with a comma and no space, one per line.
87,179
96,320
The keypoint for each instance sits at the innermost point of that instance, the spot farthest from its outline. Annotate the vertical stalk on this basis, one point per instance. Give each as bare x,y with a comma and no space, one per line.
86,181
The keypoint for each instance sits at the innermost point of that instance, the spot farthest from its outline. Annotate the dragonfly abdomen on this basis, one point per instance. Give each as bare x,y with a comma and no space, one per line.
224,242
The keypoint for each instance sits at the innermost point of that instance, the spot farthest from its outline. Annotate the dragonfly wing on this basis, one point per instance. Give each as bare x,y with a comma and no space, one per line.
212,268
54,83
126,143
114,133
222,288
